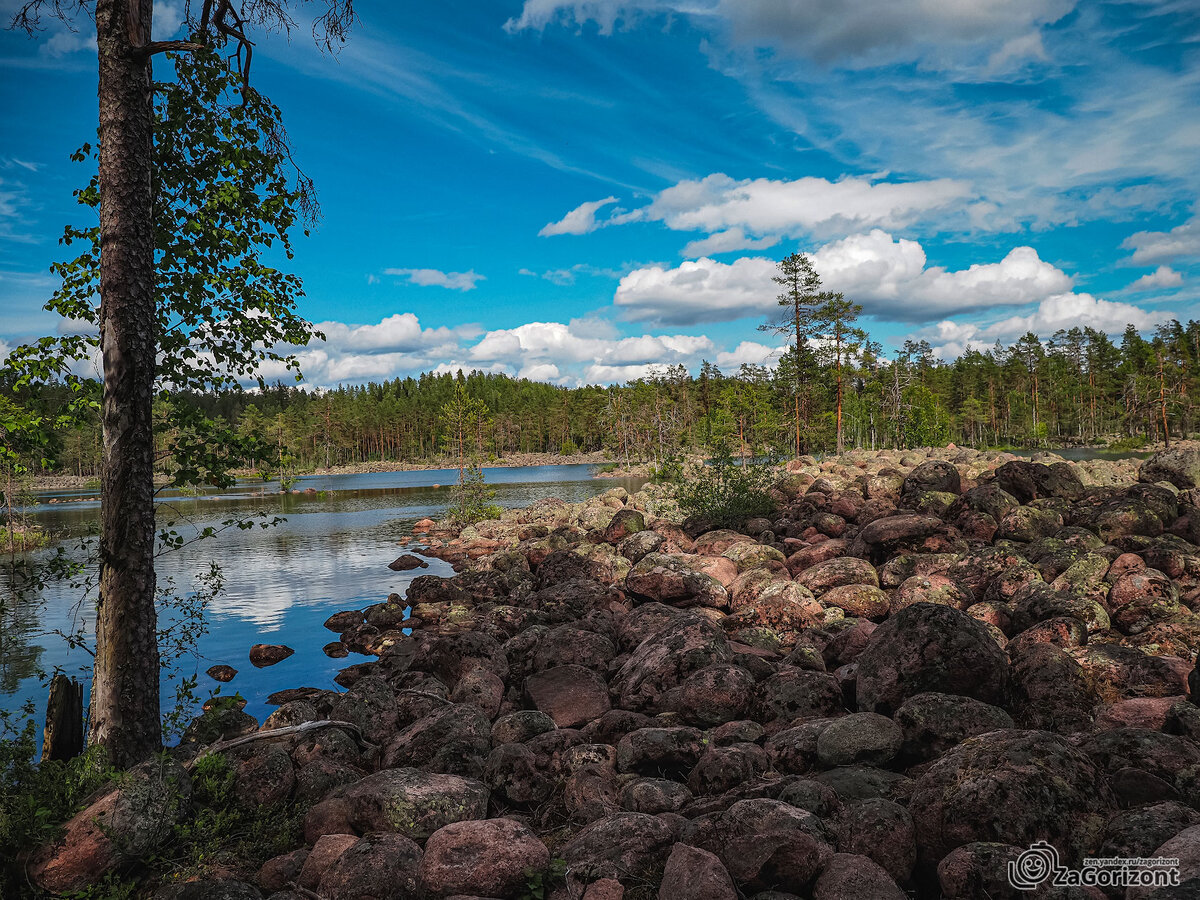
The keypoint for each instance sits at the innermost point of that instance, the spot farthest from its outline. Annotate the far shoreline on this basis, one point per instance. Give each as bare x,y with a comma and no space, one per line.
45,483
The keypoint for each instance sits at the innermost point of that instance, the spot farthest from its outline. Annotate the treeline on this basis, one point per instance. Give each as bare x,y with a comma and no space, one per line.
1079,387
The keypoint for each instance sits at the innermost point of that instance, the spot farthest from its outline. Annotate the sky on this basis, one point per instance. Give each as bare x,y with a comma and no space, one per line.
578,191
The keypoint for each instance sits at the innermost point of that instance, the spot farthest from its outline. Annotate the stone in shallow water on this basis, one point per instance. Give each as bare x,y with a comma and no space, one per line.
263,655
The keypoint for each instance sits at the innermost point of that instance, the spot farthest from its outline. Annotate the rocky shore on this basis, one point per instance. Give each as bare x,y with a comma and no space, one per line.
918,666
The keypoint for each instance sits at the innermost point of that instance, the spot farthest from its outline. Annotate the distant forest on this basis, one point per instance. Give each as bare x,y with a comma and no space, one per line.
1079,387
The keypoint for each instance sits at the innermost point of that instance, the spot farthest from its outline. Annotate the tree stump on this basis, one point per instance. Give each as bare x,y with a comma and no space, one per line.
63,737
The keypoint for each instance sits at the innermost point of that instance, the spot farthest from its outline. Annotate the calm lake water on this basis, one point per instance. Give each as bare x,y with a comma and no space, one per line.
280,583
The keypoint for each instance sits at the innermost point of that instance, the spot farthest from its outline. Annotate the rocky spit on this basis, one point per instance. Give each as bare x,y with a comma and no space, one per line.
921,664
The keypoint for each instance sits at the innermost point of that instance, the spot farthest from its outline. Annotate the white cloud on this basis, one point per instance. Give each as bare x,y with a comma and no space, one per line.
888,277
455,281
1063,311
750,352
540,372
1165,246
580,220
864,32
1020,49
727,242
1162,277
564,277
762,206
399,332
537,342
702,290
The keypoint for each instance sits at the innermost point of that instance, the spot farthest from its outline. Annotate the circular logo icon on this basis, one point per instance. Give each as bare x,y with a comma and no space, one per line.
1033,866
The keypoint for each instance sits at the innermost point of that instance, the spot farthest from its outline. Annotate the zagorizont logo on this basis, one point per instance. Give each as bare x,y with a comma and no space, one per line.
1041,864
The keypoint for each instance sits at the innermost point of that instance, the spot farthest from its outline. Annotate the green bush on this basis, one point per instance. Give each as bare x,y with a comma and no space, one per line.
472,498
668,471
724,491
37,798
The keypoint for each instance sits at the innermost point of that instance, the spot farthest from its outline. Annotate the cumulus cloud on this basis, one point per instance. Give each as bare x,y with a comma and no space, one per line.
703,290
1162,277
887,276
750,352
580,220
733,212
455,281
400,332
1151,247
868,31
556,342
1062,311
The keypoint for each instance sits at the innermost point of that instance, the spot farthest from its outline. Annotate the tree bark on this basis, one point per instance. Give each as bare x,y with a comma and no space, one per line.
124,703
63,735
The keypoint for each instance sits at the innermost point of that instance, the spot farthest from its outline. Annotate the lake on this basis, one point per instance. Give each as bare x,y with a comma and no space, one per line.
280,583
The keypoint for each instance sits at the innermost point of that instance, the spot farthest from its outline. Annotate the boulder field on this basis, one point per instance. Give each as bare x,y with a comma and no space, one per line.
919,665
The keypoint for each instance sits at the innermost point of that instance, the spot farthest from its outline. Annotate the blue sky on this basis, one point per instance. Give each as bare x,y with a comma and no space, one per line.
576,190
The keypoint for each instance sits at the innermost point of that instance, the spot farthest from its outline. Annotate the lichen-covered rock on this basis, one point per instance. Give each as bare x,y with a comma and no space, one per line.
520,726
750,555
655,795
126,823
780,605
1180,466
1012,787
863,600
849,876
491,858
883,537
715,695
1030,481
1028,523
979,871
934,475
1051,691
375,867
668,579
694,874
724,768
794,693
932,723
1140,752
1184,847
860,738
882,831
660,751
837,572
623,846
938,589
402,801
664,659
570,695
453,740
930,648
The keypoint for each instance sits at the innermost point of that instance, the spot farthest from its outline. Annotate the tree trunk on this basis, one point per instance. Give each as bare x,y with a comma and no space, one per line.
63,735
124,703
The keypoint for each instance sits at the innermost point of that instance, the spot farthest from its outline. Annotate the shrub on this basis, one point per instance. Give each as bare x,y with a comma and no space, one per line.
472,498
725,492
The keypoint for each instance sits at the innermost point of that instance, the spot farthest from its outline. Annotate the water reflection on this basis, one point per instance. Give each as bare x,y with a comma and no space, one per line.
281,583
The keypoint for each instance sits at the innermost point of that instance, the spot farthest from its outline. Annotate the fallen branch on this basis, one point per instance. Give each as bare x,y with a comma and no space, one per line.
287,731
